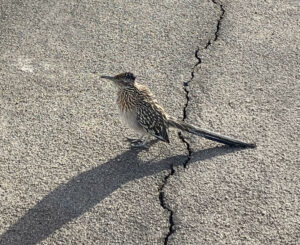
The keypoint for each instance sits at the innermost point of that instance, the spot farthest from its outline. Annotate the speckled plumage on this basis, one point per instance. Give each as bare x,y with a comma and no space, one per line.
138,101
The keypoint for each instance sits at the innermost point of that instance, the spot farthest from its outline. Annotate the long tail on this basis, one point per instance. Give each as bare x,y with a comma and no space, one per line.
207,134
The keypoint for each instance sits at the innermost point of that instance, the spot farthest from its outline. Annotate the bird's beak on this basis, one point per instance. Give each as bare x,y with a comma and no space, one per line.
108,78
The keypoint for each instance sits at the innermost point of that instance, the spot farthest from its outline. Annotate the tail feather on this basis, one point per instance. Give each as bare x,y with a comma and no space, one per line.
208,134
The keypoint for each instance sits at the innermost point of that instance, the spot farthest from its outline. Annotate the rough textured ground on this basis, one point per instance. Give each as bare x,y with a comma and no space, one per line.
246,85
67,174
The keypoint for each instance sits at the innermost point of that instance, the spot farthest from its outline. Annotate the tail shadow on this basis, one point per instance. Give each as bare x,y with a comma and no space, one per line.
70,200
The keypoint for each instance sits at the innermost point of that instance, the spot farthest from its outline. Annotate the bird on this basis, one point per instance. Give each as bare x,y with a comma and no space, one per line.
140,110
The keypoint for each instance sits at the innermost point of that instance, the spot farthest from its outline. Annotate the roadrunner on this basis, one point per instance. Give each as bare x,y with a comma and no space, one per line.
141,112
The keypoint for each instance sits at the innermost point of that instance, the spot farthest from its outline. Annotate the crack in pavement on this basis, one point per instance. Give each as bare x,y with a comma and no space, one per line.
219,20
163,204
186,84
180,135
185,87
188,147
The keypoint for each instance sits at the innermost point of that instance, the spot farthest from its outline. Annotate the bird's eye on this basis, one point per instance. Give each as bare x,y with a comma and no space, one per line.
129,75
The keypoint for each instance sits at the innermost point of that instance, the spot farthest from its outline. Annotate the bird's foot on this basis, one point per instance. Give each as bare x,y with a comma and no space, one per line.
132,140
139,145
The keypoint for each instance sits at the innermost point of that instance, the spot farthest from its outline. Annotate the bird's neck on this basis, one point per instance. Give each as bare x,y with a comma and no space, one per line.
126,98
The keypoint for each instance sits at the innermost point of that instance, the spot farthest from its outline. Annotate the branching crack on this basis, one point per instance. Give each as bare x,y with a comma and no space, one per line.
188,149
186,90
186,84
219,20
164,205
185,87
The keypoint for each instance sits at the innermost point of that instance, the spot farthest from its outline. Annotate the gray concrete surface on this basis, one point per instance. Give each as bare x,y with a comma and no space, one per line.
247,86
67,174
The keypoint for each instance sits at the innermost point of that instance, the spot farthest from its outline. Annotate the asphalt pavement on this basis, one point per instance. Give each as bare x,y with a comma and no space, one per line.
68,174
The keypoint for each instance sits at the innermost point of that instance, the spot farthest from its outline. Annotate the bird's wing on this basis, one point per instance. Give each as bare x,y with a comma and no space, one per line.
152,120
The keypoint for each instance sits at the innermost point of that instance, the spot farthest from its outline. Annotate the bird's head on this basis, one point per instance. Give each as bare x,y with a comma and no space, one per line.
122,80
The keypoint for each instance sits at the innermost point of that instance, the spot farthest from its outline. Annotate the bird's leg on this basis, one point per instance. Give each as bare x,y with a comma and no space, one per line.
146,140
142,144
132,140
138,140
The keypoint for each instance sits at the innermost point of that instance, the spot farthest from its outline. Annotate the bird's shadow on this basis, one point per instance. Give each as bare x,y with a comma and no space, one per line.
69,201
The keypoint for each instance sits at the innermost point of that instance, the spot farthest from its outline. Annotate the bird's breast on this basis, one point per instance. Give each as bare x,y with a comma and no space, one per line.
126,101
130,119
